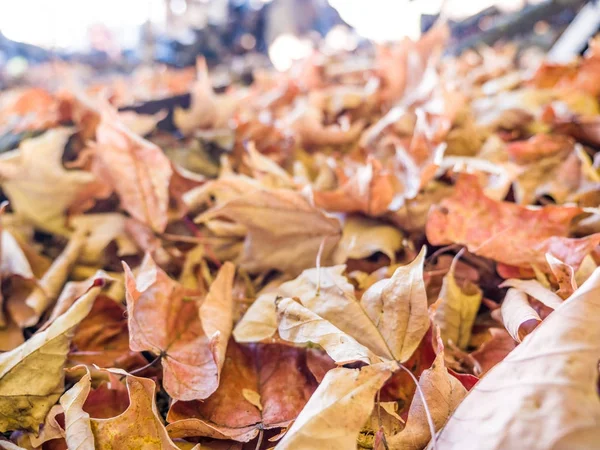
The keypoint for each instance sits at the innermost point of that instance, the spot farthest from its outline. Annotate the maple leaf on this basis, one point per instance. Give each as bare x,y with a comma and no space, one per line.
277,376
284,230
139,426
189,336
26,393
518,398
39,188
501,230
136,169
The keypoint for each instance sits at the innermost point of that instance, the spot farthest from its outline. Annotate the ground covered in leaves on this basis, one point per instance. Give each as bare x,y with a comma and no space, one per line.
361,252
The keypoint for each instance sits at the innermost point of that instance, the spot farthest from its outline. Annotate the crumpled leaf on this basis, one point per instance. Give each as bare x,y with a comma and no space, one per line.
338,409
169,320
136,169
519,397
363,237
139,426
31,375
39,188
501,230
277,373
536,290
370,190
565,276
456,309
279,235
398,307
518,316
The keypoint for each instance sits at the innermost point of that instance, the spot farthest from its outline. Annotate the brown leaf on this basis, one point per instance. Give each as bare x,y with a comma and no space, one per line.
442,394
501,230
136,169
276,372
338,409
49,287
370,190
519,398
398,307
102,338
167,319
39,188
139,426
493,350
26,393
284,230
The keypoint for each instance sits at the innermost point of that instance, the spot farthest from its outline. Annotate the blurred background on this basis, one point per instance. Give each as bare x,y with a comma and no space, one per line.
241,35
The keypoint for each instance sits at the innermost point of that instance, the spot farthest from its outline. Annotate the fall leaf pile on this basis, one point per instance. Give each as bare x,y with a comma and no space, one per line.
393,253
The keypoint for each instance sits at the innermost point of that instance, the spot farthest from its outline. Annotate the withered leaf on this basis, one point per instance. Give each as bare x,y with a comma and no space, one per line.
284,230
168,320
518,397
31,375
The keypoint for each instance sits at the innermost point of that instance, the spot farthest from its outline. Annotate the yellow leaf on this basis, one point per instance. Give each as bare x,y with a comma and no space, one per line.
456,309
39,188
31,375
338,409
398,307
362,237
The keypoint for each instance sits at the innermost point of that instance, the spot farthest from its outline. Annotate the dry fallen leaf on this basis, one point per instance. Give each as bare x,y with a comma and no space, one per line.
136,169
338,409
284,230
442,393
501,230
189,336
398,307
519,398
456,309
138,426
31,375
276,374
39,188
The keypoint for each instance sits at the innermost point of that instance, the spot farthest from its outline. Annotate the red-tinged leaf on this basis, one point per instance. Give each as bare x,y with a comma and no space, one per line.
369,190
502,230
136,169
167,319
276,372
102,338
494,350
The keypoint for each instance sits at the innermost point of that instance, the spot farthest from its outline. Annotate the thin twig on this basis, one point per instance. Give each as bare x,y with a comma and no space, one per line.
427,412
150,364
260,439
